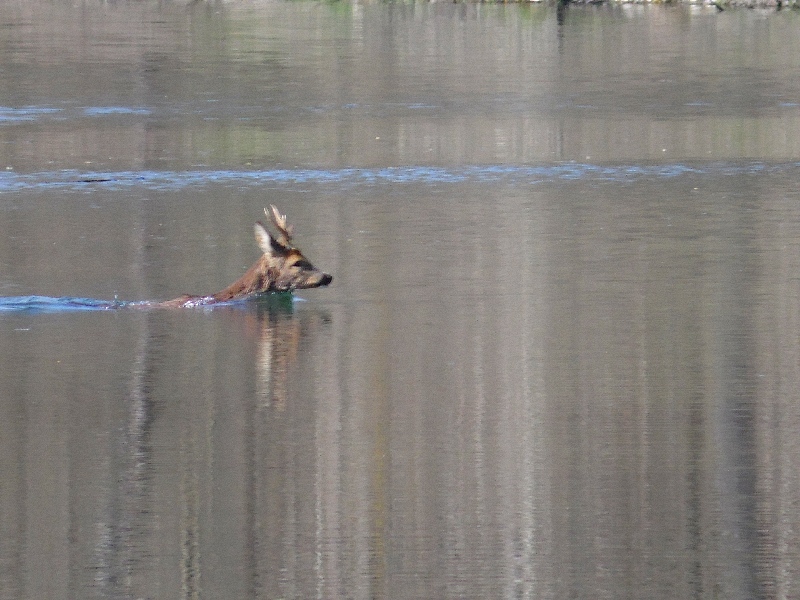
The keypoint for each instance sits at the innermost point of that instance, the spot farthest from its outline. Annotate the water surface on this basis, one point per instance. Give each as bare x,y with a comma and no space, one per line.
559,358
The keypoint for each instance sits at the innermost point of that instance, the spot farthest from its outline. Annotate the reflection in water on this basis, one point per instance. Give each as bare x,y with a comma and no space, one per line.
125,524
135,534
280,331
590,391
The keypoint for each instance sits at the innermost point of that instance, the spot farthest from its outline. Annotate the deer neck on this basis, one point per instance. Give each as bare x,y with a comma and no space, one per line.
255,280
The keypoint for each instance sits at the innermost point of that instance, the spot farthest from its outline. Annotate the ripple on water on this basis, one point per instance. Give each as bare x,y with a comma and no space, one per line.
72,179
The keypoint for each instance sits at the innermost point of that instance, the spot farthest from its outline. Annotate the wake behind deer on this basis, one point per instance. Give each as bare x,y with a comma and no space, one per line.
281,268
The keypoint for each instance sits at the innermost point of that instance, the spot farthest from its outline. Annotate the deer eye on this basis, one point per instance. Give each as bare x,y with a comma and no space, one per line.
303,264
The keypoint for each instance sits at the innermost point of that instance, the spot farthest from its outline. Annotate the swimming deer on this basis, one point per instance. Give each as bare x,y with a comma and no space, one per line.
282,268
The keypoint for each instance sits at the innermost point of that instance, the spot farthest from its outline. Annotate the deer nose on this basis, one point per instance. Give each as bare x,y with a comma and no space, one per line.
326,279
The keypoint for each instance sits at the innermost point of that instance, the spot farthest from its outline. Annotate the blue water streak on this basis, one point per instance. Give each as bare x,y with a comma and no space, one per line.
48,304
75,180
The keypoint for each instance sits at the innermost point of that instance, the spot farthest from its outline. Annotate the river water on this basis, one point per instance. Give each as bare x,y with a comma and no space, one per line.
560,357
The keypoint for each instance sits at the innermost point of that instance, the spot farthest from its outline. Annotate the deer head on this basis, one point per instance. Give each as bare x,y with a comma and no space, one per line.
286,268
282,268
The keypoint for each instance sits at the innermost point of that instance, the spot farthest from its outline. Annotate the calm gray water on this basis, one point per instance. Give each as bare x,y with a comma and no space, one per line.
560,357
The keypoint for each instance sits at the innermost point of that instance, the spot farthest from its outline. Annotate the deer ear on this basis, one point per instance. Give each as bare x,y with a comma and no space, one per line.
264,239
